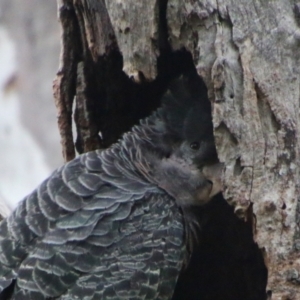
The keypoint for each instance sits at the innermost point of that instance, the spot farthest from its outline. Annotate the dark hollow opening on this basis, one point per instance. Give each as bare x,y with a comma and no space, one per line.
226,264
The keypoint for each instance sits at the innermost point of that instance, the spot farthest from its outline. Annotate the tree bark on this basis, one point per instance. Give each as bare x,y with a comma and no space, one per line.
117,59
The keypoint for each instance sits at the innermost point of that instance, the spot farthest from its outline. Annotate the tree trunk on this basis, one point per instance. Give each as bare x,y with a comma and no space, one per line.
117,59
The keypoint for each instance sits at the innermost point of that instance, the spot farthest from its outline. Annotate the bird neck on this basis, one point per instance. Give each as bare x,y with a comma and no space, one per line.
141,150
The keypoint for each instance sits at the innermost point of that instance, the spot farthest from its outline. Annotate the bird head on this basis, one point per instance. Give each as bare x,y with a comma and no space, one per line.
187,114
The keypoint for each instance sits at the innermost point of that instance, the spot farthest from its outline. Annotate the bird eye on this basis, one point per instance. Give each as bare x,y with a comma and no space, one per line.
195,145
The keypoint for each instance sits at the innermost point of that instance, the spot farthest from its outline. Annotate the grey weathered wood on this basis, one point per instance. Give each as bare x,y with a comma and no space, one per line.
248,53
135,25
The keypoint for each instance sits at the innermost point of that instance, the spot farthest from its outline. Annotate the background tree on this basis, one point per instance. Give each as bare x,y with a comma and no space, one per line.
32,26
117,58
29,137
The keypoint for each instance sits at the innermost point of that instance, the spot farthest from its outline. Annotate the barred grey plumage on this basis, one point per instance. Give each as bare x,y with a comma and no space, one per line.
111,224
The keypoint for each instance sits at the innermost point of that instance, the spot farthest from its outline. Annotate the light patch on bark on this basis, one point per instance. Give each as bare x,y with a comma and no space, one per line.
136,36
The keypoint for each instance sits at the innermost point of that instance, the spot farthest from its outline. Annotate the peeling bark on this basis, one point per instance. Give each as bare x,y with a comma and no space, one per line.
247,53
64,83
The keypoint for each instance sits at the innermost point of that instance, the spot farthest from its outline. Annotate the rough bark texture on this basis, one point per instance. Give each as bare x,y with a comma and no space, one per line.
254,79
248,54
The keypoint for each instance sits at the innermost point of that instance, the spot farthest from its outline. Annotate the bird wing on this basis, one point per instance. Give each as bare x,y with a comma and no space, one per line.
91,231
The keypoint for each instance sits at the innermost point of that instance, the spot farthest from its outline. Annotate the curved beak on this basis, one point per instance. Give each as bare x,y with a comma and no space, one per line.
214,173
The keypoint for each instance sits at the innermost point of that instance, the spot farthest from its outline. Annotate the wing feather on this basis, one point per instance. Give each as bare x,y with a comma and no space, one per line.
85,234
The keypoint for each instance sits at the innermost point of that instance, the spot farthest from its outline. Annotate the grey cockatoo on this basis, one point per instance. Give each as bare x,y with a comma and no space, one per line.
115,223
